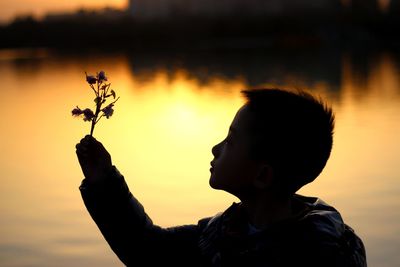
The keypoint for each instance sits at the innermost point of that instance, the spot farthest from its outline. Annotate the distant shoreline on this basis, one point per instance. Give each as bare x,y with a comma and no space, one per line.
201,33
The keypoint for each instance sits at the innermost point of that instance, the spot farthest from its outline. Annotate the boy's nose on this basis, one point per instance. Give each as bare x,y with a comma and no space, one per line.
215,150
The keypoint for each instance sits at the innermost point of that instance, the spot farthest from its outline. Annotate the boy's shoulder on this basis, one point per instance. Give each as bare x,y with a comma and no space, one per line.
323,230
319,229
318,218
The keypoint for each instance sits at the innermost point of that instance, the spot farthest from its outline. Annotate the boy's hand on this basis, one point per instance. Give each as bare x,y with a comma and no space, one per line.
94,159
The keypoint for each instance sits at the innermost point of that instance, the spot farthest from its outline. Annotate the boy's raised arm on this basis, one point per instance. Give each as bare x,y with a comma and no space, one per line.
122,219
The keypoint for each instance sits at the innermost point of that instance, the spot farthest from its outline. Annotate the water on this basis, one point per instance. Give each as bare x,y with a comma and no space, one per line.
172,110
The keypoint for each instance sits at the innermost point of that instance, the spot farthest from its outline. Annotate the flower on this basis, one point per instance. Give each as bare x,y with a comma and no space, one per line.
102,90
102,76
108,110
88,114
77,111
91,79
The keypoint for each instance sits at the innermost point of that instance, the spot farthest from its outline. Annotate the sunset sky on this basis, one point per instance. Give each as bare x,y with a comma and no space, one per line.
11,8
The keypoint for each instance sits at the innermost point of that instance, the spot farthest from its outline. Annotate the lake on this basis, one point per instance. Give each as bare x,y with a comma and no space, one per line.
173,108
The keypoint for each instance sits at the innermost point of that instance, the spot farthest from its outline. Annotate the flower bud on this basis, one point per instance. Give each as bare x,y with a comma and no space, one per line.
91,79
108,111
102,76
88,114
76,112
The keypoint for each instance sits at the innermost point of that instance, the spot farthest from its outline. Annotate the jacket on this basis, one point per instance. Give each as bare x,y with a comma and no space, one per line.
316,237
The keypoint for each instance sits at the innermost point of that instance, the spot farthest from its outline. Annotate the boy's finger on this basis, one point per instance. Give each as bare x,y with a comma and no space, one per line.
81,154
89,138
81,150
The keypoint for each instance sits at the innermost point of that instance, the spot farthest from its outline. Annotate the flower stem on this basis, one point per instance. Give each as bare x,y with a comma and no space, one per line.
92,128
96,114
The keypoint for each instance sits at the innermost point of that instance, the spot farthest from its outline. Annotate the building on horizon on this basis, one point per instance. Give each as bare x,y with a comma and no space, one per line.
164,9
365,7
107,13
394,7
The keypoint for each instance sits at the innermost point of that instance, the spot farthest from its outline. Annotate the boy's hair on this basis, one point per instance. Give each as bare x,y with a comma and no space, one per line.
292,132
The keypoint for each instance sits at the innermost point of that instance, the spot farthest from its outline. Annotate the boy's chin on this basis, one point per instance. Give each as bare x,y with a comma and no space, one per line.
213,183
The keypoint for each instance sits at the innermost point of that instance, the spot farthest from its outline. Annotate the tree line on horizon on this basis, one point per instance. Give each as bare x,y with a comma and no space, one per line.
119,29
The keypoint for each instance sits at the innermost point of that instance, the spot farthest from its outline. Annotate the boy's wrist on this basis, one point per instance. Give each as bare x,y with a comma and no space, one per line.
111,181
102,176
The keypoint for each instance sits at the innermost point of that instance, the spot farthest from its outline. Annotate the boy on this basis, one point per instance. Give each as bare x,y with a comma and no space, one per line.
277,142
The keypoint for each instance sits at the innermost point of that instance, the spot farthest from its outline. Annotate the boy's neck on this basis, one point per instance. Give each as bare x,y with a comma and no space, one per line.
264,211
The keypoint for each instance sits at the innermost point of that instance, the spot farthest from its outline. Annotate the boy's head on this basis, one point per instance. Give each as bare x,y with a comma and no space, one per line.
279,140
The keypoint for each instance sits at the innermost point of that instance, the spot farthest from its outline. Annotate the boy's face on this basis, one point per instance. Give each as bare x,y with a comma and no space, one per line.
233,170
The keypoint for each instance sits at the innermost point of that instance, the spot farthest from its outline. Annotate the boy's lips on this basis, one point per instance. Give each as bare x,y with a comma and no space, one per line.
212,166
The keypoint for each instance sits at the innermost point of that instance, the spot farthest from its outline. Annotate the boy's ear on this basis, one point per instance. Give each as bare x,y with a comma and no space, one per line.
264,177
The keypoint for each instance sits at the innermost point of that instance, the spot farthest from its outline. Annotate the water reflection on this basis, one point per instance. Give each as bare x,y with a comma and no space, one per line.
173,109
273,67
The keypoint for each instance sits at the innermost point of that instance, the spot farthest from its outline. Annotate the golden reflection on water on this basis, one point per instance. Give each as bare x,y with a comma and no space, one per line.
165,133
160,138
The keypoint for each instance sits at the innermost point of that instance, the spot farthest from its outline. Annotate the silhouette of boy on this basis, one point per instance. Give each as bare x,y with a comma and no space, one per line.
278,142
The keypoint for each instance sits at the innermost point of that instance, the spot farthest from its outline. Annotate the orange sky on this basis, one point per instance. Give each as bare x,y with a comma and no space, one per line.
10,9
